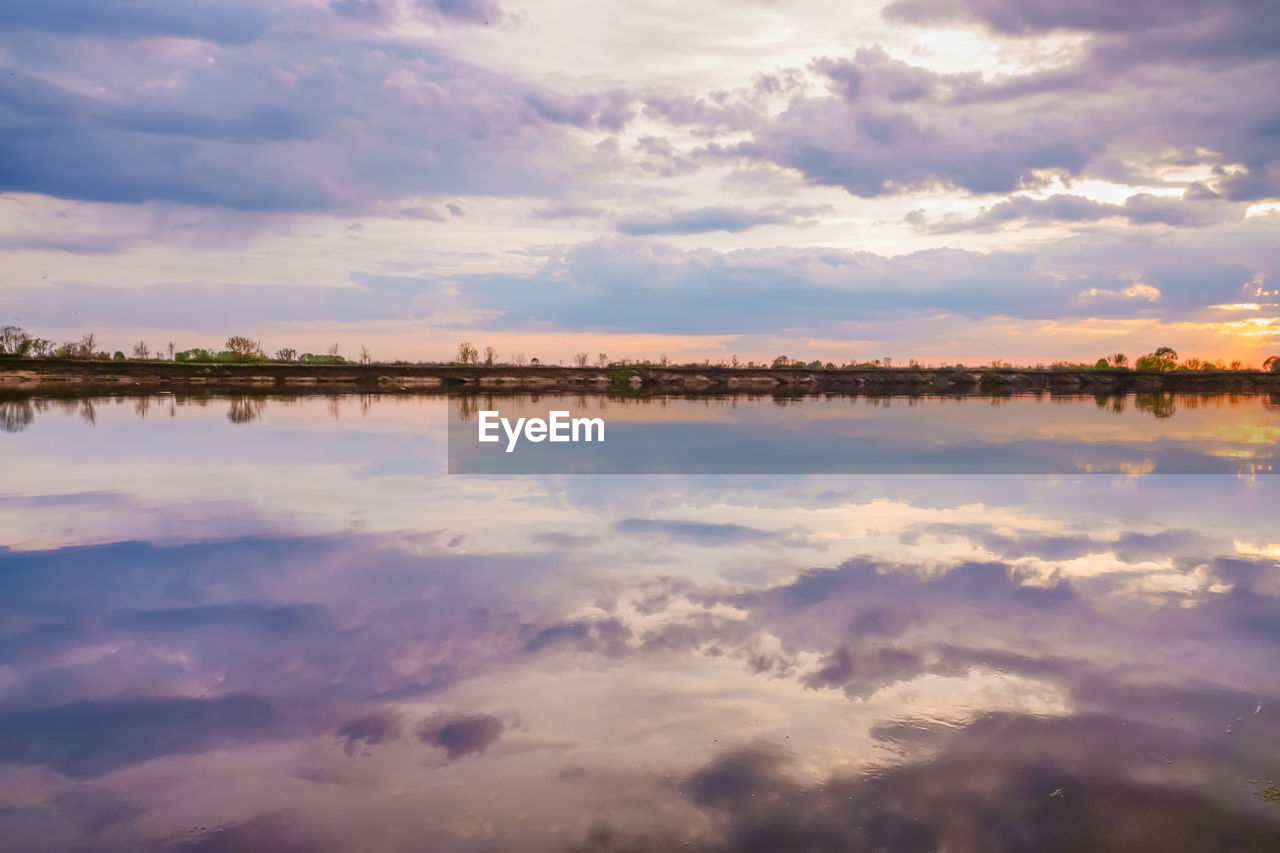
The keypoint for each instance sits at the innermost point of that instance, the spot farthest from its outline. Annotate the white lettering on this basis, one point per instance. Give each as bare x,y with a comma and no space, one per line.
486,425
513,435
559,426
535,429
587,424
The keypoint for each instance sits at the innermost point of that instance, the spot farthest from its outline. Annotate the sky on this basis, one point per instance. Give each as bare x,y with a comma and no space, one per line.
945,180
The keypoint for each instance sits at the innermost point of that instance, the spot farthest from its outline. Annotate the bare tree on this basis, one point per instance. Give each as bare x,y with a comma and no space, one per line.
467,353
663,360
519,360
172,349
13,339
243,347
141,351
734,361
490,355
365,358
334,349
88,345
581,359
602,359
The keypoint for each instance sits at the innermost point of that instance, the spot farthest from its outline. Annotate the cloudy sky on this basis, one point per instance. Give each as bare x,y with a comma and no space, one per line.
939,179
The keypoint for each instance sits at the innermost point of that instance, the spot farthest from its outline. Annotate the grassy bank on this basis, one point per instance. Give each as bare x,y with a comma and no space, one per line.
60,376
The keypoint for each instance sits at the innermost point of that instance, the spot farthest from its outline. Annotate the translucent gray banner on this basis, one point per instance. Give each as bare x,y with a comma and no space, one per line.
1032,434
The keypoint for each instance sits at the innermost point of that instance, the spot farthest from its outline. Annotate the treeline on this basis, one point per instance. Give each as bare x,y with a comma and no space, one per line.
1166,358
16,342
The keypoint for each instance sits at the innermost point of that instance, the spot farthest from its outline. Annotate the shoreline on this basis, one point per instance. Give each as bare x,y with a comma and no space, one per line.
65,377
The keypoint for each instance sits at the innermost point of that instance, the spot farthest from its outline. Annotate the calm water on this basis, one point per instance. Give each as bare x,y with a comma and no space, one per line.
1024,434
248,625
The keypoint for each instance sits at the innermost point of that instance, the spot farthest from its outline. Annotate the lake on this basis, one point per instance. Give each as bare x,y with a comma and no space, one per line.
827,624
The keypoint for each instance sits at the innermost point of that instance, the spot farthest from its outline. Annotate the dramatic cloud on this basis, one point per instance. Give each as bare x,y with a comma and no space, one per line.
366,124
937,166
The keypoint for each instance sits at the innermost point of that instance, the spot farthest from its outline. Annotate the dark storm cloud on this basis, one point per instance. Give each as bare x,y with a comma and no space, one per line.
86,739
209,20
460,735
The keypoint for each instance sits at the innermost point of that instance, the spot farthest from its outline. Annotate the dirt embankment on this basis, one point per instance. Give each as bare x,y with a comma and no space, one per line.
59,377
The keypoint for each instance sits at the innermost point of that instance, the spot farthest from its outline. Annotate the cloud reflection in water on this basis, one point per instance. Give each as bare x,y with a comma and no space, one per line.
818,663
